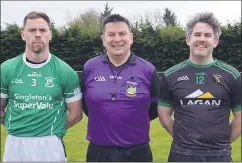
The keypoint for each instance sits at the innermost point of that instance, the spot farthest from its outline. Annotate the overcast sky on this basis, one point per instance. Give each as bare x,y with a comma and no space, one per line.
14,11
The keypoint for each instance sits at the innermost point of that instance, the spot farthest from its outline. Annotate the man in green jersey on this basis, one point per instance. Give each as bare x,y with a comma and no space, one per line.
37,89
202,91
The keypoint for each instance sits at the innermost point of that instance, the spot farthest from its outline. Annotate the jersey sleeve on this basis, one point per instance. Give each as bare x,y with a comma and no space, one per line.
236,95
4,81
154,92
72,91
164,95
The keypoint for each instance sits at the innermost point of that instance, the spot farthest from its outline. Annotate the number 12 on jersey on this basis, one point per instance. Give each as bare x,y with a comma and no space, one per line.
199,79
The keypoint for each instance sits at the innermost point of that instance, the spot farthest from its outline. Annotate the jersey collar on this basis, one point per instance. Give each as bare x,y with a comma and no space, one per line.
36,65
202,66
131,59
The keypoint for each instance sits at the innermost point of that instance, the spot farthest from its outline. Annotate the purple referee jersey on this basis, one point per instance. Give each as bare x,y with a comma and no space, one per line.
118,100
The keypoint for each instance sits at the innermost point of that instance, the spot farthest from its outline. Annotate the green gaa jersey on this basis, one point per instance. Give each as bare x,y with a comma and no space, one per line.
37,95
202,98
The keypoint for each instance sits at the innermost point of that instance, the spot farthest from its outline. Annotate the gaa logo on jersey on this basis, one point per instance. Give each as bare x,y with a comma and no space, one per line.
99,78
49,82
183,78
131,89
17,81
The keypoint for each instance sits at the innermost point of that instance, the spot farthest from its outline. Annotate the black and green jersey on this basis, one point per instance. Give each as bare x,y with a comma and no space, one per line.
37,95
202,97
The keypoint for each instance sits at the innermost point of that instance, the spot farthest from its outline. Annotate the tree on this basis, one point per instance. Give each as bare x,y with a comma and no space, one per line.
11,42
89,19
170,18
107,11
85,24
162,46
154,18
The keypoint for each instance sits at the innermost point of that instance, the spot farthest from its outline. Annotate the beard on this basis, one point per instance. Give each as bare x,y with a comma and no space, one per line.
37,49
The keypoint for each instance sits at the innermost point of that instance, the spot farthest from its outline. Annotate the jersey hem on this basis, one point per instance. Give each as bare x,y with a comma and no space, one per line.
176,148
117,145
59,135
197,153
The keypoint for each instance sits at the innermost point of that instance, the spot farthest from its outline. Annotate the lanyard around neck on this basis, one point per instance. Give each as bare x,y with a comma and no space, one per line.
115,77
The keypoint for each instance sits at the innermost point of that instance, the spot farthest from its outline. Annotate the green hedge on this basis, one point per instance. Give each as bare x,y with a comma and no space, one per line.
163,46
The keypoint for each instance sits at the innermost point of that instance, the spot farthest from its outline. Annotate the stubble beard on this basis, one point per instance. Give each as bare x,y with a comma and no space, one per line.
38,50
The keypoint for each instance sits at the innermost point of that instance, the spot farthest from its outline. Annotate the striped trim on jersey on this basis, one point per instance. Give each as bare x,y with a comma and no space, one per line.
176,68
167,73
237,108
74,98
226,67
164,103
4,95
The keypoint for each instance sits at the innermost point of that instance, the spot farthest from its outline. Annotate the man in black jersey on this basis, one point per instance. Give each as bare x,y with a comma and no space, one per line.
201,91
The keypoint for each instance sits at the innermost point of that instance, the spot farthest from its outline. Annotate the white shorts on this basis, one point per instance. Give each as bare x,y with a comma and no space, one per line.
24,149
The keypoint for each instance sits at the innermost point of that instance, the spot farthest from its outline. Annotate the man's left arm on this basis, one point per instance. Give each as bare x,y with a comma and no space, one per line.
236,109
154,92
75,113
235,127
73,97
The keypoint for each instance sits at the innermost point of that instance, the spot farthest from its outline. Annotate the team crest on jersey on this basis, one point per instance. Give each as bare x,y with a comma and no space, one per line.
217,78
131,89
49,82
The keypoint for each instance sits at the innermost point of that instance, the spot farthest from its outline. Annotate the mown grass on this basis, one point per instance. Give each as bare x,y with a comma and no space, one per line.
76,143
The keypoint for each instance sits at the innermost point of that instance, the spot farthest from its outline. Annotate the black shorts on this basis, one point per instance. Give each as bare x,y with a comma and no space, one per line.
137,153
176,157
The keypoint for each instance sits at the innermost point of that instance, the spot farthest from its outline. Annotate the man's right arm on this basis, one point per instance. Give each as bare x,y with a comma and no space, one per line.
165,116
4,90
165,105
3,105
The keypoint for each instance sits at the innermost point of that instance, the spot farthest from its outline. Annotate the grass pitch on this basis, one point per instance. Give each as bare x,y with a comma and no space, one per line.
76,143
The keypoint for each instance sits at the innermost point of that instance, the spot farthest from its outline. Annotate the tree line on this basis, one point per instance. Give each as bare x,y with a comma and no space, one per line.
158,38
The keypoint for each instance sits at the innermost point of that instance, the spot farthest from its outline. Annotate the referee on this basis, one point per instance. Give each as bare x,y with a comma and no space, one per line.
120,90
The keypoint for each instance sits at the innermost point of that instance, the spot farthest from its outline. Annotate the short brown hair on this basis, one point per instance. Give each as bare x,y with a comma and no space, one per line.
115,18
35,15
